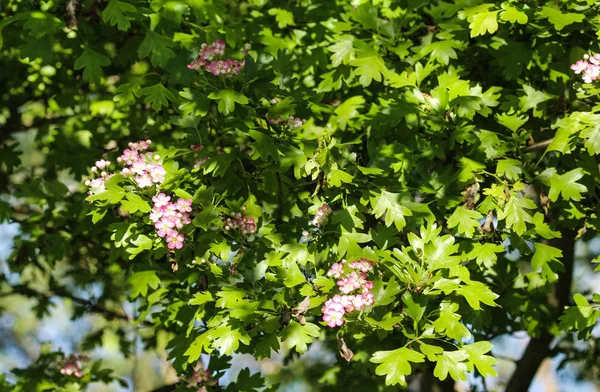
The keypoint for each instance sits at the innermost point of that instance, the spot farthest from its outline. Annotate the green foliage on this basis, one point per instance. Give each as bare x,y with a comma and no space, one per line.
158,47
92,62
560,19
283,17
227,100
387,203
483,23
580,318
395,364
566,185
298,336
515,214
141,281
452,142
466,220
118,13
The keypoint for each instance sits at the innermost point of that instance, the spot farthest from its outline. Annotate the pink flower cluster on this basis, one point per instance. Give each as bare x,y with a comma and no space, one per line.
209,59
589,67
240,222
321,216
200,378
146,170
97,185
73,364
292,122
169,217
144,167
351,277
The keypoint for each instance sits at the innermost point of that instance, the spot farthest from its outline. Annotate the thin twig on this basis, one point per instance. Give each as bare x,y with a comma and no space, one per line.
539,145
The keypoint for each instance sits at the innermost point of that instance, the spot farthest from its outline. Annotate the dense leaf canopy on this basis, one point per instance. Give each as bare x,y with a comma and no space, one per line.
445,149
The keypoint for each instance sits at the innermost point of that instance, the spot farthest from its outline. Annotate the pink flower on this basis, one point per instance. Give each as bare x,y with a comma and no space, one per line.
157,172
347,302
579,67
143,181
219,45
209,59
72,365
128,157
184,205
200,378
294,123
96,186
333,313
239,222
139,166
353,281
337,269
368,298
595,59
170,211
174,240
168,216
146,166
178,221
350,281
156,214
363,265
321,216
358,302
143,145
185,219
102,164
589,68
146,170
161,200
196,64
592,73
334,319
164,227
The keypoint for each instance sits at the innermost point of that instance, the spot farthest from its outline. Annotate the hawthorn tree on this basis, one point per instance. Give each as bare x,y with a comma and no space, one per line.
401,181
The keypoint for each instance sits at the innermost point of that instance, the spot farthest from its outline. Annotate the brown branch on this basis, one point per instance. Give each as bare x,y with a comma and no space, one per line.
504,358
90,306
538,348
539,145
71,16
